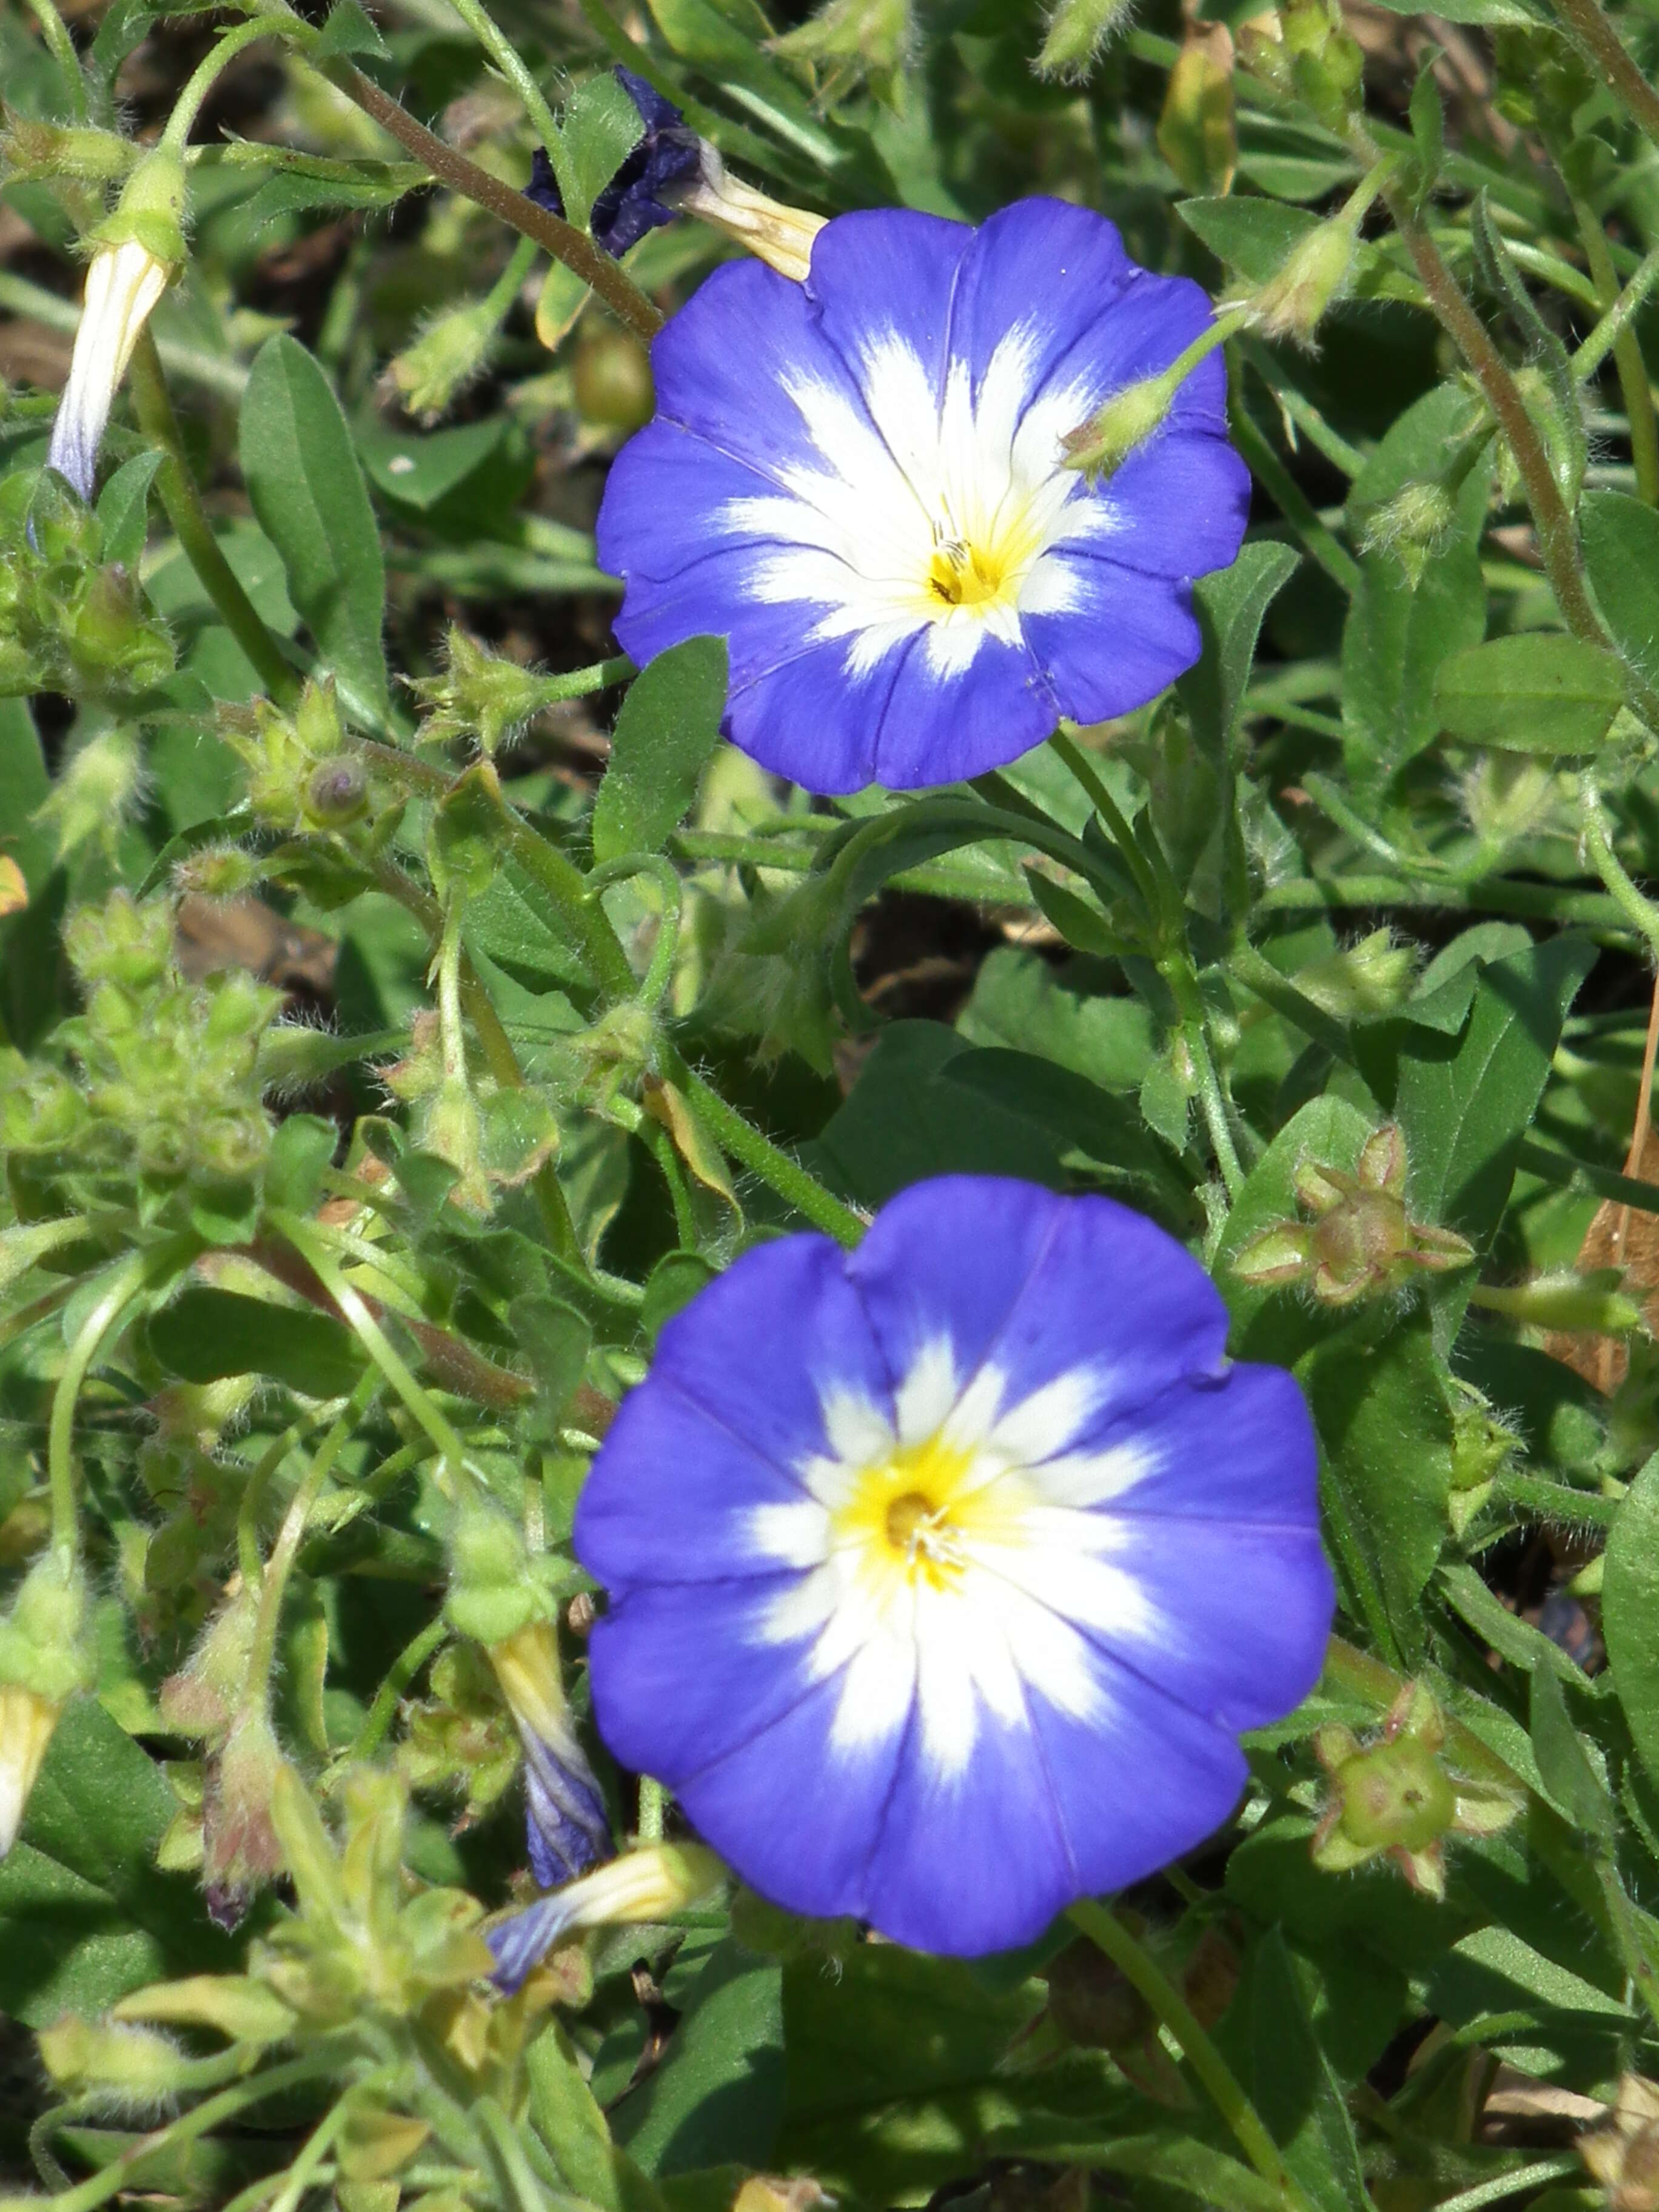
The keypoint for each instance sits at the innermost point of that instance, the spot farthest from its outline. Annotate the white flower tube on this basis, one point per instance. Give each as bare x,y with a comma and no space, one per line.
123,283
781,235
138,254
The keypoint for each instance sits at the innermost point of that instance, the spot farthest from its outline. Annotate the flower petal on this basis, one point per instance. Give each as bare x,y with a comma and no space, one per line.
1121,638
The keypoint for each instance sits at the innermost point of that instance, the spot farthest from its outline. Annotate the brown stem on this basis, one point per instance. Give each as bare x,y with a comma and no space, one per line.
560,239
1558,541
1602,43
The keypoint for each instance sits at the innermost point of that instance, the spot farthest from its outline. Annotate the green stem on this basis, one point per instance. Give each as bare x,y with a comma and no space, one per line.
313,1250
511,63
746,1145
404,1669
560,239
1275,479
1602,339
661,1145
185,511
1640,911
130,1277
117,2176
653,1806
1512,2183
1558,541
253,1490
273,1580
1176,969
55,33
203,78
1103,1929
1626,360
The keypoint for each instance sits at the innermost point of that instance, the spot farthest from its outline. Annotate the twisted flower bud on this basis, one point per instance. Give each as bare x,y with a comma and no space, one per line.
138,252
649,1884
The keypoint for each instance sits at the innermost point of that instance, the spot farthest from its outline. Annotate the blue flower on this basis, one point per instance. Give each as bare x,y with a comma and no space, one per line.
565,1825
943,1576
630,204
859,481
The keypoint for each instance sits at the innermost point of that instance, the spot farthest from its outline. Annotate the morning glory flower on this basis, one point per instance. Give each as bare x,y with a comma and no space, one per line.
859,481
943,1575
633,202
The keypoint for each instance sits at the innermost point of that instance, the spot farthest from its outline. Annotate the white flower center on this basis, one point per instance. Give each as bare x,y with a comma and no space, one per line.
952,1557
926,511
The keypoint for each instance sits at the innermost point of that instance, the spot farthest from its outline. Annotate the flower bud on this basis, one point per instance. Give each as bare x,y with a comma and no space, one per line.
129,2068
31,148
1122,426
612,380
216,873
1362,981
1416,524
651,1883
111,642
852,42
1568,1301
139,251
43,1661
1326,63
1362,1241
1077,34
374,2144
451,352
1397,1795
492,1594
565,1824
1316,273
781,236
98,790
242,1852
337,794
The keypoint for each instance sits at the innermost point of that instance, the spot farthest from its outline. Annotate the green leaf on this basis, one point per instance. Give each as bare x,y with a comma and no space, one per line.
347,30
1630,1610
205,1334
1293,2088
601,126
307,491
85,1916
1565,1764
419,469
1253,236
1094,1125
1620,537
123,508
564,2114
668,725
718,2095
1229,606
1385,1423
1539,691
303,1148
1397,636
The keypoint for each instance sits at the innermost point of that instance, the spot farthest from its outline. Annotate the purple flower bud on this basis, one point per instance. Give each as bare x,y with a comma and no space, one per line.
631,204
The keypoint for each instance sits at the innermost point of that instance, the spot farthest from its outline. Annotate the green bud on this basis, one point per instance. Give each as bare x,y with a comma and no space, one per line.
281,753
1398,1796
96,793
1315,274
41,1111
450,354
1362,1241
216,871
1078,33
242,1852
31,148
1564,1300
129,2068
1123,425
113,643
481,695
120,942
1362,981
337,794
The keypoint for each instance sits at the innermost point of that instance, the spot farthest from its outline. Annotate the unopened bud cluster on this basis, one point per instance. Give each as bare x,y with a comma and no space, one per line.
481,697
494,1135
1307,52
852,42
302,773
1401,1796
1361,1242
69,621
160,1078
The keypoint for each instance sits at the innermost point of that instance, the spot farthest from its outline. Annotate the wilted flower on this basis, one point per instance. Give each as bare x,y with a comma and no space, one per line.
1625,2157
859,481
1399,1796
634,202
781,235
944,1574
649,1884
